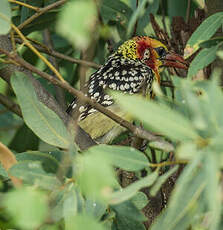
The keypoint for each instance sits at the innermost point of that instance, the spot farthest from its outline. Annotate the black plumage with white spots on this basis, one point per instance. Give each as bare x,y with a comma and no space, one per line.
118,73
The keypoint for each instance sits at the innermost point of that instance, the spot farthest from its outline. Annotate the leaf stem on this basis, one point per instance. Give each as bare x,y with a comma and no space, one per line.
25,5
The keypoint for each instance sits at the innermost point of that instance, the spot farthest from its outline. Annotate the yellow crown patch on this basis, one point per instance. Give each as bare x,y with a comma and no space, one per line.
128,49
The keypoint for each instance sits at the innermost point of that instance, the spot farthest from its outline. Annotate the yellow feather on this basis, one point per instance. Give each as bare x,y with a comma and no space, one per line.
102,128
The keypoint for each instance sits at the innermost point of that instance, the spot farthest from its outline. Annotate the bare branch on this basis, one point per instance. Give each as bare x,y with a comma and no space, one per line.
139,132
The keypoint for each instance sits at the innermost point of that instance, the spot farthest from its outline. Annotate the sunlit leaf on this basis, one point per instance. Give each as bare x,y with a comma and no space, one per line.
83,222
123,157
159,117
95,176
77,21
5,17
27,206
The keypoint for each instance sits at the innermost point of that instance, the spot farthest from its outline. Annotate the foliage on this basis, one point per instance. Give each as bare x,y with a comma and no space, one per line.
66,188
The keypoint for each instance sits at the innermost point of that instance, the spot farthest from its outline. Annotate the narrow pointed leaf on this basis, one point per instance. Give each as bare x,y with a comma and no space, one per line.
205,31
132,189
40,119
159,117
203,59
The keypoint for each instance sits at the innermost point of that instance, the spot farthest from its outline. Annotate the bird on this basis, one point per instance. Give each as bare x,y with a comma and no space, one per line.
131,69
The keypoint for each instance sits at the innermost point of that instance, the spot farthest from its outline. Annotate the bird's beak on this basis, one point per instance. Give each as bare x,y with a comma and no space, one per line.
175,60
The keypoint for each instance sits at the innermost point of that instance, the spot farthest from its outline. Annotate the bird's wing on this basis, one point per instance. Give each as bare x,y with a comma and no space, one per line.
118,73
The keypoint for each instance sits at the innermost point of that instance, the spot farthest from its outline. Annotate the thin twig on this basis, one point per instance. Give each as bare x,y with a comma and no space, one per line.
188,11
56,54
60,96
25,4
37,52
138,131
10,105
167,163
40,12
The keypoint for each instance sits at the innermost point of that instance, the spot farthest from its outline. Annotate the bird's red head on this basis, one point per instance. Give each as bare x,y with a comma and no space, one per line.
153,53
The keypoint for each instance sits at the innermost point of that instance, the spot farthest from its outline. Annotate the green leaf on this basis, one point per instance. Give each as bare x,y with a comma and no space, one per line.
31,172
24,139
8,120
159,117
65,202
3,172
70,205
161,180
49,163
95,182
5,17
211,42
46,20
184,202
40,119
128,217
203,59
138,12
205,31
128,192
115,11
124,157
28,207
27,12
177,8
213,190
220,54
83,222
140,200
144,21
95,209
76,22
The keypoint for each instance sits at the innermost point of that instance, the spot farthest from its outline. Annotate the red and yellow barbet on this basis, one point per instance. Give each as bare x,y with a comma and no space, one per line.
131,69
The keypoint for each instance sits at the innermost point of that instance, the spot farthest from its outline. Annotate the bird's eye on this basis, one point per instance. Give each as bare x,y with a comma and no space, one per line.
161,51
146,54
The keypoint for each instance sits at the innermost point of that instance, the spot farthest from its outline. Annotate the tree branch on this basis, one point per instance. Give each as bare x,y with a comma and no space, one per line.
40,12
56,54
10,105
139,132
